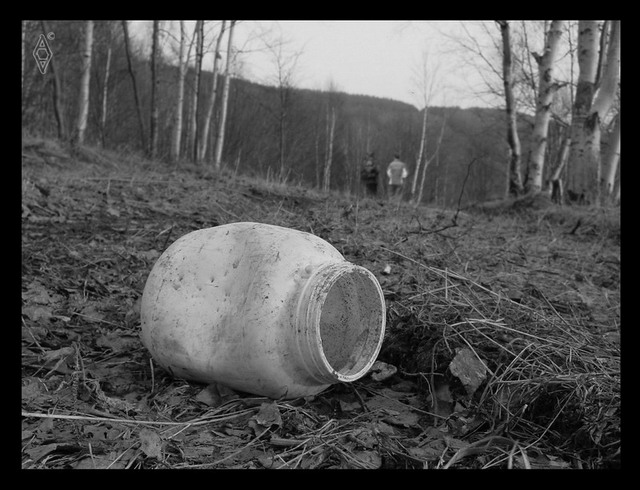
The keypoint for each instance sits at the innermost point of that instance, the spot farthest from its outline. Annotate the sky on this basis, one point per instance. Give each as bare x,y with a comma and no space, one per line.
379,58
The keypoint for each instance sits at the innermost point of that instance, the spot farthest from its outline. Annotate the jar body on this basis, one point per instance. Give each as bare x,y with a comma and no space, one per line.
262,309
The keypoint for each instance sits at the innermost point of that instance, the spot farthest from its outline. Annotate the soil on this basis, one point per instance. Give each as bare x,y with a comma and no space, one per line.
530,293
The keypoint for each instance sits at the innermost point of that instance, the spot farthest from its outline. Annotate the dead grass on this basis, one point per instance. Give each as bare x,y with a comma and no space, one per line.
532,293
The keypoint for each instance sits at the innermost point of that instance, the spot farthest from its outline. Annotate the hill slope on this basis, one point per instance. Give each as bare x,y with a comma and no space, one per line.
533,294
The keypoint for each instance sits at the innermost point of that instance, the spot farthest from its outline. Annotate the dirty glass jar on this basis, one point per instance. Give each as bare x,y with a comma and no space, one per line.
262,309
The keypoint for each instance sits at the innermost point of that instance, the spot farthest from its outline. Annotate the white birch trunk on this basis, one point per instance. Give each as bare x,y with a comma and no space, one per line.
105,93
581,174
182,73
225,99
212,98
429,160
514,186
611,162
329,156
193,135
423,139
153,120
546,90
83,100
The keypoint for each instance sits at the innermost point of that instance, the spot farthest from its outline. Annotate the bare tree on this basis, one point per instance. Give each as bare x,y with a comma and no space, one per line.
225,100
425,83
155,81
212,97
610,166
127,47
285,64
195,99
328,159
593,101
436,153
547,87
83,96
183,65
515,179
105,90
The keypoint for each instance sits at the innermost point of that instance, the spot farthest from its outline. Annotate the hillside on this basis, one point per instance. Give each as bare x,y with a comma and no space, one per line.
531,291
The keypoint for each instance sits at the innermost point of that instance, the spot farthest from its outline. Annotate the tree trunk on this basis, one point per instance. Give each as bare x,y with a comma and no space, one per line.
57,93
580,172
225,99
83,96
212,98
182,73
515,178
105,92
331,121
611,163
546,89
429,160
195,102
423,142
127,48
557,190
153,122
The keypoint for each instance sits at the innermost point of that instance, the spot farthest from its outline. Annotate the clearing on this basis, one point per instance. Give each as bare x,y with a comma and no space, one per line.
502,347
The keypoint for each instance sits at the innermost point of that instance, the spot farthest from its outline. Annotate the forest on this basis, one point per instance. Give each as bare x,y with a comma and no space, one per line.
273,131
498,270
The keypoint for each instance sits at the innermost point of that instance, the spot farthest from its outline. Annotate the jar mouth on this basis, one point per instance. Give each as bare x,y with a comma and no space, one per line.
345,322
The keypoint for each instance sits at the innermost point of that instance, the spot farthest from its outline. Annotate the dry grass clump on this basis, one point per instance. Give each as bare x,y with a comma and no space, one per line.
552,387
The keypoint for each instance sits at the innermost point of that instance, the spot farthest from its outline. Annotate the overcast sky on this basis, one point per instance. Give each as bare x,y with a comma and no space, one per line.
379,58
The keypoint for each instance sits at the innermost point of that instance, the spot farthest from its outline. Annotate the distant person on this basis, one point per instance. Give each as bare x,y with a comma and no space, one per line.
369,176
397,172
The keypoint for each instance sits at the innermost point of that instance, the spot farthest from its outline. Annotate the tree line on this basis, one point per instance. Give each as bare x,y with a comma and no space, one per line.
104,86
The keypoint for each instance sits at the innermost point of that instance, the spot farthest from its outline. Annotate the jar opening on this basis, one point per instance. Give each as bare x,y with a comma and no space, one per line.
351,325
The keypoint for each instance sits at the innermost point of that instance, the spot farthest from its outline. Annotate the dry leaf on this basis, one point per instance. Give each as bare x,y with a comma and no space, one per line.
151,443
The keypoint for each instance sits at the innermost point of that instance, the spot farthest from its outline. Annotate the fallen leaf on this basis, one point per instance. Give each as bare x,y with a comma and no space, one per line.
470,370
268,415
151,443
381,371
371,460
37,312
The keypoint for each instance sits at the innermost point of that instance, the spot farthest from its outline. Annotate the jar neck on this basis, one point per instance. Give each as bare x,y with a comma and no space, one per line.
340,322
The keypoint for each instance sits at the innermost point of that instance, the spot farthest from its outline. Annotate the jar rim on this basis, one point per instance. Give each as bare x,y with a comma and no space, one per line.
340,345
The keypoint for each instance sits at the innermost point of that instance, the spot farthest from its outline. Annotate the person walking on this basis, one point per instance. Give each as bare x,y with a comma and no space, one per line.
369,176
397,172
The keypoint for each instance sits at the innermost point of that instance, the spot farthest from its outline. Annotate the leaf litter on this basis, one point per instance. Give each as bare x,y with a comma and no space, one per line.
502,345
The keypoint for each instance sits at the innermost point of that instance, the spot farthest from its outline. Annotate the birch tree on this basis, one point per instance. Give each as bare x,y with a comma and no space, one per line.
183,57
425,84
593,100
331,128
225,100
105,92
85,78
515,178
427,161
612,159
195,101
153,123
132,74
547,87
212,97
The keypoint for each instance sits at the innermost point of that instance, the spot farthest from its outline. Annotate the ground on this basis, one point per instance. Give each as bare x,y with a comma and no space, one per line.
501,351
